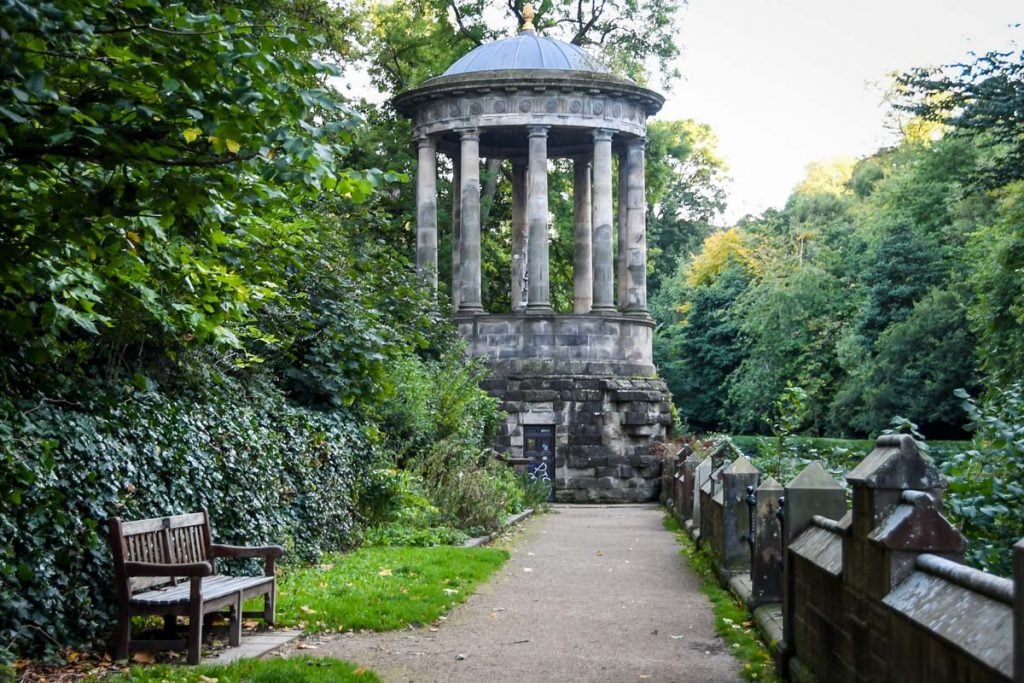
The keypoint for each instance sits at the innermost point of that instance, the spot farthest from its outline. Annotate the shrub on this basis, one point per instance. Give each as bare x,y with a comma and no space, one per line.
266,470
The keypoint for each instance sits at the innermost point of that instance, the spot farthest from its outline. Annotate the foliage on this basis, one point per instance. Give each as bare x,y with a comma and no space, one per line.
997,312
142,147
699,347
982,100
267,471
382,589
397,511
280,670
473,492
985,482
855,292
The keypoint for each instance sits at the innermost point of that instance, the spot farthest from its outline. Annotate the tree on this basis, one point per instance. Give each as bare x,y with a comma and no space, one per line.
685,193
982,100
143,147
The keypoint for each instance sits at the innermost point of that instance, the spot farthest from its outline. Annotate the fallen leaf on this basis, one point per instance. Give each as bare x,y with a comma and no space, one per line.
600,553
384,572
206,679
306,646
143,658
450,591
360,671
527,569
305,609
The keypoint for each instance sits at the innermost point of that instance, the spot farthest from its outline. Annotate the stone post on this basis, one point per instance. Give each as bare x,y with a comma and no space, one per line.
874,561
635,248
700,476
537,222
1018,612
519,239
426,212
582,263
456,230
740,474
766,572
623,230
602,204
470,203
687,482
812,492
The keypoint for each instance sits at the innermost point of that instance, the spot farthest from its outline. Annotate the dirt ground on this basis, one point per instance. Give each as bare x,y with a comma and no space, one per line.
591,593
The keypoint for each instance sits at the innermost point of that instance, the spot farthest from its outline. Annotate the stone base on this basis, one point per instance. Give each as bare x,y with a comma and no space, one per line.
606,431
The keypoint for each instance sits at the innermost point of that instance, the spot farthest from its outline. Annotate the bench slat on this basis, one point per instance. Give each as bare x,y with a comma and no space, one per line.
213,587
141,526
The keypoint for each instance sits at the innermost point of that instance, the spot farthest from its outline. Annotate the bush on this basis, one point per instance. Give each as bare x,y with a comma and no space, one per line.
267,471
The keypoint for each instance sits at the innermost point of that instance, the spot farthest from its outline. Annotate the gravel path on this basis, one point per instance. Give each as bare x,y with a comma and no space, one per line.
591,593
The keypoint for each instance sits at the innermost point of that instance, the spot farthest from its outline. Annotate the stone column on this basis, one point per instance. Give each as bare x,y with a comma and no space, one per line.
602,242
537,222
426,212
582,262
456,230
635,248
519,241
470,203
622,228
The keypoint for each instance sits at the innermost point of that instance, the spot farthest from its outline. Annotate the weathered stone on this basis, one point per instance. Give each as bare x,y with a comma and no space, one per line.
766,570
736,477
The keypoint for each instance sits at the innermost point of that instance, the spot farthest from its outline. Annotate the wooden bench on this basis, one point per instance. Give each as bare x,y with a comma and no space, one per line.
166,566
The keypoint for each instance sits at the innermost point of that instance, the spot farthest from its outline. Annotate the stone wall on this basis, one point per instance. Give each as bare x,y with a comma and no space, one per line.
594,344
607,431
876,592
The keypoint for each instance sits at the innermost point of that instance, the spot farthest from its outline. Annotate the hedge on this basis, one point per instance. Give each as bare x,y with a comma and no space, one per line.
268,471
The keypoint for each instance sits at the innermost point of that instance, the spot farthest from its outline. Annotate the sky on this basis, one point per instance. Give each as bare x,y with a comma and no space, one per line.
787,82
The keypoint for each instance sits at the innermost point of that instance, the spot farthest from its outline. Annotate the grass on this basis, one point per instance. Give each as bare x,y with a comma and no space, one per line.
732,620
291,670
382,589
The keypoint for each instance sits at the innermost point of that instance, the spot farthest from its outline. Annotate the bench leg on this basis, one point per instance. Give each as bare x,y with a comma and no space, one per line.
270,606
235,629
195,623
123,636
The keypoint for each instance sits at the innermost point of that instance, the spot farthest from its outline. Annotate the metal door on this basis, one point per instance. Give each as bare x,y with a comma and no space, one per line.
539,450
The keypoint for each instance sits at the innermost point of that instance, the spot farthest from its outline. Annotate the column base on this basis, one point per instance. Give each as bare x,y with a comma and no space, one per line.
603,309
470,310
539,309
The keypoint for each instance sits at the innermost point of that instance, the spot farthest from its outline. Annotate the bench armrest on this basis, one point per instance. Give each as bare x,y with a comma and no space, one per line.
158,569
268,551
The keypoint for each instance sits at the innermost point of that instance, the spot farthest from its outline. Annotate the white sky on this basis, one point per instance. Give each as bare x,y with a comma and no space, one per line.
787,82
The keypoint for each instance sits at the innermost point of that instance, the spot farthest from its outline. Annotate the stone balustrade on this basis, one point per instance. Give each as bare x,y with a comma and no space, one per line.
856,591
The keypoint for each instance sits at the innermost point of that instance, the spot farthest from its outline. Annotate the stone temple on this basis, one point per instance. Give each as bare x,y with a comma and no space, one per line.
584,404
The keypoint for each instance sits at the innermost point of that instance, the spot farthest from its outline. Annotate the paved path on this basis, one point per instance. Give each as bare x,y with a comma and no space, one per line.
591,593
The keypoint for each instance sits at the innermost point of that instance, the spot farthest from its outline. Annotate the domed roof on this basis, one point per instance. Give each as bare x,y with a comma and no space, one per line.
526,51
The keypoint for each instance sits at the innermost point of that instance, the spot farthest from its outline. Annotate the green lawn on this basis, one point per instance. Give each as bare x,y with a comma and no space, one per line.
382,589
291,670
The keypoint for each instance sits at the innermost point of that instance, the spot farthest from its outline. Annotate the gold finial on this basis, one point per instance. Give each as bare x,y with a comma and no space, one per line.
528,18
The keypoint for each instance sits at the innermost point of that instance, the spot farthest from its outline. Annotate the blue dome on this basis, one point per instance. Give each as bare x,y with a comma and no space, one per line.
526,51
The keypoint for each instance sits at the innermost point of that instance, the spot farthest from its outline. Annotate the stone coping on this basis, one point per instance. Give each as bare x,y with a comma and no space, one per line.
510,80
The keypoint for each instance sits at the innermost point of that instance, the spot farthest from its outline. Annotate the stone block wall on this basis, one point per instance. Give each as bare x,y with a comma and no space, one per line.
876,592
606,431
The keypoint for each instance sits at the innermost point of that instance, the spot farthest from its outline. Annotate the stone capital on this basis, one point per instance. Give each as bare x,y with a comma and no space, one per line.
538,131
426,141
603,134
468,133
